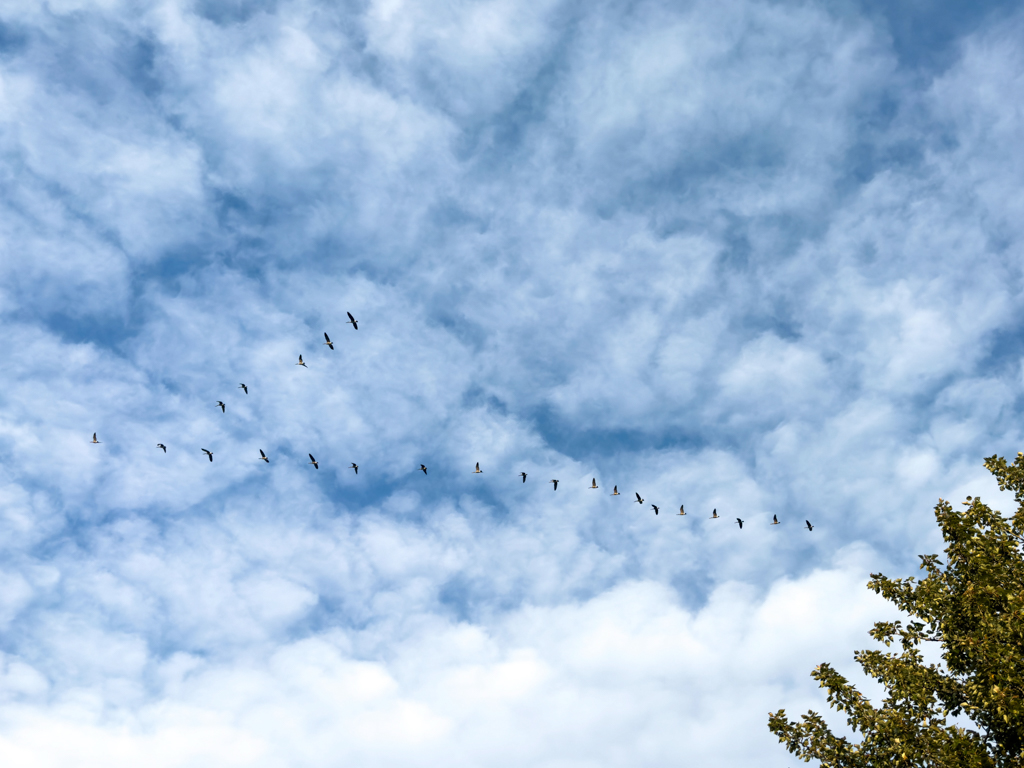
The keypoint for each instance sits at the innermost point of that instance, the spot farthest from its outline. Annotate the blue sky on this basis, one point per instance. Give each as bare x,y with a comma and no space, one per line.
759,257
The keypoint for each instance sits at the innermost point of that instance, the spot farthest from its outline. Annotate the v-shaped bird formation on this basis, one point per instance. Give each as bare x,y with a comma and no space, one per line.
423,468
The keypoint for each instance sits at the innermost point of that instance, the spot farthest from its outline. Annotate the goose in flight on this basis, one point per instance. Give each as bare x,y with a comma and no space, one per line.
301,362
638,499
94,440
354,466
739,523
714,514
329,343
477,471
208,453
593,483
263,456
313,461
556,484
220,404
615,491
161,445
244,388
681,510
656,508
523,475
775,519
353,321
423,468
809,526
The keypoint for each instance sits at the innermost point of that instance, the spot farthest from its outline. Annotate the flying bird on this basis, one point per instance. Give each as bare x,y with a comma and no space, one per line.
615,491
244,388
313,461
593,483
264,456
94,440
523,475
556,485
681,510
208,453
775,520
714,514
423,468
329,343
220,404
302,363
638,499
477,471
809,526
354,466
161,445
739,523
353,321
656,508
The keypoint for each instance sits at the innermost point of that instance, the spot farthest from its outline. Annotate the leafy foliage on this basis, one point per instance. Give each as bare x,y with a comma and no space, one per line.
973,606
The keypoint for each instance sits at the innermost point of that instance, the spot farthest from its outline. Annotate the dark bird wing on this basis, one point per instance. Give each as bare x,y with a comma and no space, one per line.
327,338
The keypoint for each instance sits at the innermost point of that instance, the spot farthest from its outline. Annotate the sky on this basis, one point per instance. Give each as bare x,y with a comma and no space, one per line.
756,257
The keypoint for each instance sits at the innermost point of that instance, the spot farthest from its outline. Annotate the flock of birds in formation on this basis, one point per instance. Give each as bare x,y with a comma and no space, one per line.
422,468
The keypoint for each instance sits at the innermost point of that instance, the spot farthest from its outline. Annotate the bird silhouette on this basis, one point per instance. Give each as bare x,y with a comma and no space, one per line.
244,388
681,510
656,508
313,461
220,404
329,343
354,466
739,523
94,440
638,499
775,520
208,453
523,475
809,526
302,363
161,445
353,321
714,514
593,483
477,471
263,456
556,485
423,469
615,491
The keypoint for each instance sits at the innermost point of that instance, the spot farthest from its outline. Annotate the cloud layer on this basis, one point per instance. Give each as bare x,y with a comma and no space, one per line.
753,257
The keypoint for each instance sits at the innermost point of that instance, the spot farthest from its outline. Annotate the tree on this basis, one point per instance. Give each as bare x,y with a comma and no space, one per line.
973,606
